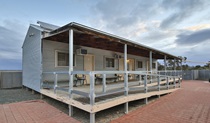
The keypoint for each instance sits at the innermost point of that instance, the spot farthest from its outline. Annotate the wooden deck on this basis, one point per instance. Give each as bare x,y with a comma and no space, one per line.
112,99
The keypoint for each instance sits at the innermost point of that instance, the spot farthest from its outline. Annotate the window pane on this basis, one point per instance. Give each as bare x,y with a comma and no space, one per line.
112,62
153,65
140,64
109,62
63,59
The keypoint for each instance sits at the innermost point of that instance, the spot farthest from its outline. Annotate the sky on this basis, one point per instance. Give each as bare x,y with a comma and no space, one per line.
179,27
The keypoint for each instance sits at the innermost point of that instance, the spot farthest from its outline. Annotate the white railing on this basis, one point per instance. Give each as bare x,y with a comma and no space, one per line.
141,85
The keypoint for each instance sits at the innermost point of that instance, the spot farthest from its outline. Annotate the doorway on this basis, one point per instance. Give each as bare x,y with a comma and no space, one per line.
89,65
130,67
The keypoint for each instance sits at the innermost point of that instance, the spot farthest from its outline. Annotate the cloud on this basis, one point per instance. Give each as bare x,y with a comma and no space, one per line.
181,10
197,27
117,16
11,40
193,38
158,35
159,24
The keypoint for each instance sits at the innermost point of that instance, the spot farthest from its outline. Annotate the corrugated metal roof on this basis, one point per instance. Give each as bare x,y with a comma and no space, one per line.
47,25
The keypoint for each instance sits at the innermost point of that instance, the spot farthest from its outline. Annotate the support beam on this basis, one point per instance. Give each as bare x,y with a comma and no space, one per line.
92,88
92,117
71,110
165,65
70,62
125,77
145,88
92,95
174,67
150,61
71,40
181,69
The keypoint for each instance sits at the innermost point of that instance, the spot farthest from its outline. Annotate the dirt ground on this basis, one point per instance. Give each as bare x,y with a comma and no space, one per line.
19,94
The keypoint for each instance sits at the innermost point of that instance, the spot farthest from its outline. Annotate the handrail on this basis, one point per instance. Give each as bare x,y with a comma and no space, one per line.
92,95
110,72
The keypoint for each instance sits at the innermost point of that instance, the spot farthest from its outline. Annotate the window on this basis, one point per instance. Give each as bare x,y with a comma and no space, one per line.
62,59
110,62
153,65
139,64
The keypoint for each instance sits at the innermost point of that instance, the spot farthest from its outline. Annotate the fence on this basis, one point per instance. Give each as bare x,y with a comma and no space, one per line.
10,79
196,75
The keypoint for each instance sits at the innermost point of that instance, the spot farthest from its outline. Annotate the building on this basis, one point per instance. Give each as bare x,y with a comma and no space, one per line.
55,59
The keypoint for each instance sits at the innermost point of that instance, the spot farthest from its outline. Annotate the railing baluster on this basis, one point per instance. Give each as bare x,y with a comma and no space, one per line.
174,82
167,80
104,83
158,82
55,81
139,79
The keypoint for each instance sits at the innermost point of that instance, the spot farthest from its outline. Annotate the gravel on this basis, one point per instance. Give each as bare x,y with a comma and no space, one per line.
16,95
105,116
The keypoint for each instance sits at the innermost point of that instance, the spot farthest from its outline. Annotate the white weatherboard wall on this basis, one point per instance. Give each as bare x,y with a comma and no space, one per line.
49,48
32,59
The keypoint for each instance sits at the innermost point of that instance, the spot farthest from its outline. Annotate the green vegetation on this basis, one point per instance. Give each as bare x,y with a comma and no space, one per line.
170,66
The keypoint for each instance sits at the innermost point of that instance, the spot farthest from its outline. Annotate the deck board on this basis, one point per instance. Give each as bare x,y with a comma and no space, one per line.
103,103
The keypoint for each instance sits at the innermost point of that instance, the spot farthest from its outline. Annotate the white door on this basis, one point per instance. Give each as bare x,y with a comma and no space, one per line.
88,65
131,67
121,68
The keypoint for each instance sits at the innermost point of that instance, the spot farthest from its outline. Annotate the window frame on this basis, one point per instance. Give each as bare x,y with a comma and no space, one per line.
137,64
105,58
63,51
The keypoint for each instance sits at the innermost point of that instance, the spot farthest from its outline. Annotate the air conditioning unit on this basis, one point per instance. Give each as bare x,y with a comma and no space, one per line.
81,51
